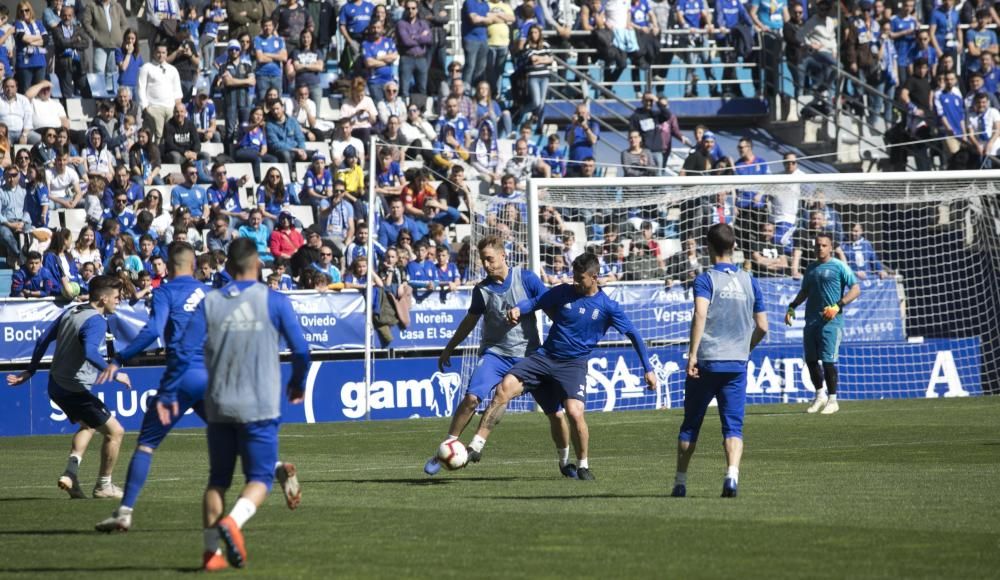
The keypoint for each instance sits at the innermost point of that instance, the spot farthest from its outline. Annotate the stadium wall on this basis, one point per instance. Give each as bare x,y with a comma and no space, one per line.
413,387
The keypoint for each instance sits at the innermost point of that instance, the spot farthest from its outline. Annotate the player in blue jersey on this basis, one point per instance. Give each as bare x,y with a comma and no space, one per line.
822,290
173,305
581,314
80,334
239,328
502,345
728,322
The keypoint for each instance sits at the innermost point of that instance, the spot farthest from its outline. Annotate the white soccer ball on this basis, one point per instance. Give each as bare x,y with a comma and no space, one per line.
453,454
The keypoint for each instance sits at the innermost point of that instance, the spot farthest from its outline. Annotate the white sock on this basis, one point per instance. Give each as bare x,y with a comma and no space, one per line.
210,536
242,511
821,393
104,481
563,456
681,478
833,398
733,473
450,437
277,465
123,511
477,443
73,465
584,464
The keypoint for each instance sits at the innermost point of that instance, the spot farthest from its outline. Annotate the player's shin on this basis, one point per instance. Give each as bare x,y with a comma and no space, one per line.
463,415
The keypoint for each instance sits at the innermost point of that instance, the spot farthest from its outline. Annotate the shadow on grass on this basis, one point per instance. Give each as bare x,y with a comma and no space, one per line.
88,532
50,569
423,480
584,496
6,499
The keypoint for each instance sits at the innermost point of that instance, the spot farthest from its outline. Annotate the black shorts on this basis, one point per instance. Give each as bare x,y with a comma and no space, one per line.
552,379
80,406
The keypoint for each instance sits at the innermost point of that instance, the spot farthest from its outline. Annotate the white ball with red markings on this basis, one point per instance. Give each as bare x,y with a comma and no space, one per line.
453,454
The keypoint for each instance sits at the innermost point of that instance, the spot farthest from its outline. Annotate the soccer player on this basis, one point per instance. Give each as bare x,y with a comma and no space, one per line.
728,322
823,292
79,334
173,305
581,314
238,327
502,345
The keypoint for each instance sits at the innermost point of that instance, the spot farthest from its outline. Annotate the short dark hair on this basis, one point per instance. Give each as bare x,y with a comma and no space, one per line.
242,256
826,235
721,239
33,255
586,263
179,253
101,286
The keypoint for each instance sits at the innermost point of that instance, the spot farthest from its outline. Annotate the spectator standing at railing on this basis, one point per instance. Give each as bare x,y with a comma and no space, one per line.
946,36
785,204
498,40
950,109
647,34
581,136
354,19
923,50
476,17
887,77
819,35
859,52
534,61
415,41
904,35
751,204
735,31
769,17
648,120
380,54
693,15
636,160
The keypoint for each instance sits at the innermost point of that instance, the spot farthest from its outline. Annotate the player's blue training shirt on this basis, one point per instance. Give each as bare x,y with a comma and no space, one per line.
281,316
826,282
728,320
579,322
173,305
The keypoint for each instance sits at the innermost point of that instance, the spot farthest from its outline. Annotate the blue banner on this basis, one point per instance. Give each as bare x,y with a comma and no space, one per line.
413,387
334,321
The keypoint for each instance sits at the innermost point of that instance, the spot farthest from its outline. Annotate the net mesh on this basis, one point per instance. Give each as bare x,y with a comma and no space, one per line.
925,252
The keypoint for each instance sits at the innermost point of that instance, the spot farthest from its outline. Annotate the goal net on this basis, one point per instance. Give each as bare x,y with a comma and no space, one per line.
924,247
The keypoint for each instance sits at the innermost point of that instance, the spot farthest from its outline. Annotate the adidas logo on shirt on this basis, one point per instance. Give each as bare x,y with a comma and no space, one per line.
733,291
242,320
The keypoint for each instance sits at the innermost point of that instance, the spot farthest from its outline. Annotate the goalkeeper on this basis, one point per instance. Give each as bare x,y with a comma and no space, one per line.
823,292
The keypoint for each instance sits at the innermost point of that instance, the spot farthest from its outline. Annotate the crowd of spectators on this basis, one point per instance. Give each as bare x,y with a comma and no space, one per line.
189,88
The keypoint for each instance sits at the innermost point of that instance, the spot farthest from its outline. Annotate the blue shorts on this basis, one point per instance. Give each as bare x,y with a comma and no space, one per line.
550,380
490,371
822,342
80,406
190,394
730,389
256,444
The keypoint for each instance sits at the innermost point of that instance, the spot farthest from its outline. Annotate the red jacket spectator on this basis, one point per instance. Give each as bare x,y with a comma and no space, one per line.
285,239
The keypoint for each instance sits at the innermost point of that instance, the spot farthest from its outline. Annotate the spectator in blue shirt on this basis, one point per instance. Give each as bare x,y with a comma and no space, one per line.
30,42
284,136
861,256
354,19
201,110
257,231
224,195
31,281
979,40
121,212
476,16
554,156
904,34
950,109
390,226
270,52
581,136
946,36
190,194
325,265
380,55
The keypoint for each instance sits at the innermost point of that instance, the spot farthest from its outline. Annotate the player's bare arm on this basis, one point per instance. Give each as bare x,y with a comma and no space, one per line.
465,327
697,332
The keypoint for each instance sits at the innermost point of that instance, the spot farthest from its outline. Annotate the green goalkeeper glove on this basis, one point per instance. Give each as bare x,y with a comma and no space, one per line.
789,315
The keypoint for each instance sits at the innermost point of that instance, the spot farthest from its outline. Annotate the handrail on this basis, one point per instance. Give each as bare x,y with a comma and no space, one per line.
599,86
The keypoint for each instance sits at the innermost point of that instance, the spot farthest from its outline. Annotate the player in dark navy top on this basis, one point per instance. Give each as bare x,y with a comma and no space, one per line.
581,314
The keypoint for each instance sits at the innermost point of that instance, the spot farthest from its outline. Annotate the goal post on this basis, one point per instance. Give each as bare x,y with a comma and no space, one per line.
926,246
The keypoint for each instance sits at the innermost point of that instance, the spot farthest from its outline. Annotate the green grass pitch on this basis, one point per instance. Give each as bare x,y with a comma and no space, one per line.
884,489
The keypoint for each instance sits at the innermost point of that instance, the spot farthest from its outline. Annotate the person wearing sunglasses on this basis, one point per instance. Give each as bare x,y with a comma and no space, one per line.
191,195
